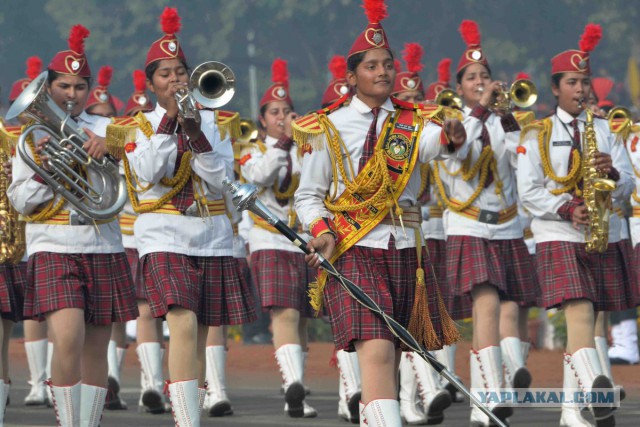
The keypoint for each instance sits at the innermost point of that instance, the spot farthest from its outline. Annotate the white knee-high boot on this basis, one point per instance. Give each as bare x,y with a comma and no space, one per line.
486,373
516,375
66,403
349,387
586,366
410,412
447,356
382,413
185,402
151,398
37,360
602,348
92,402
435,399
571,416
216,403
48,370
290,361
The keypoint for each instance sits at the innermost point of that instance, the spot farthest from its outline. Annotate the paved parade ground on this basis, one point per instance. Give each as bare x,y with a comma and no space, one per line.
253,383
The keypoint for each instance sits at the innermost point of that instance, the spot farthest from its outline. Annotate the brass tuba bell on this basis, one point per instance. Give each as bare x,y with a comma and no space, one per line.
100,197
449,98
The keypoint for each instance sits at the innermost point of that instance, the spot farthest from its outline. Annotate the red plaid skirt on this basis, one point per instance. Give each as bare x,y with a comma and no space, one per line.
13,279
505,264
283,278
616,290
100,284
566,271
134,259
389,278
459,307
211,287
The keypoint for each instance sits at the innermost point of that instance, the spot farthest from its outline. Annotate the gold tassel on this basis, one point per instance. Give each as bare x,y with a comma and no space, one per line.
420,325
450,332
315,292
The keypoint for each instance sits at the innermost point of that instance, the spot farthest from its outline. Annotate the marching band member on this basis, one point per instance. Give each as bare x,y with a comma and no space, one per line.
486,256
277,266
36,343
349,383
372,248
182,233
419,383
102,103
551,187
149,337
78,277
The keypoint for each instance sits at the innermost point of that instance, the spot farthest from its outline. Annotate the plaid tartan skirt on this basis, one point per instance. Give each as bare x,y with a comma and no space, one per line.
388,276
211,287
566,271
100,284
13,279
505,264
459,307
134,259
283,278
616,291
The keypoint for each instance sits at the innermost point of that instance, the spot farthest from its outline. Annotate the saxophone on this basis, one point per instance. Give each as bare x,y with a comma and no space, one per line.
596,192
12,229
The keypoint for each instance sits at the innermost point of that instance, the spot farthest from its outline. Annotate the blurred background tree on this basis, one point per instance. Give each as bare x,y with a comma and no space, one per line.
518,35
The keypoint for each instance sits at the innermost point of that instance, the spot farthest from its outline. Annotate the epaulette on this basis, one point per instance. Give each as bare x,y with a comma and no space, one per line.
534,126
524,117
228,124
122,133
9,136
307,130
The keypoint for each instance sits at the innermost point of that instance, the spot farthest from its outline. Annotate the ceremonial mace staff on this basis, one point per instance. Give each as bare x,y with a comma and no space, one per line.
245,197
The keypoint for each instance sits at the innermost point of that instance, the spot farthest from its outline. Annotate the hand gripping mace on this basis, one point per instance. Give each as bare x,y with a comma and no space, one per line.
244,197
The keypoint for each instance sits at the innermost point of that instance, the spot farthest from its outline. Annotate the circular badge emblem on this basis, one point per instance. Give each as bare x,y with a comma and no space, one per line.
281,92
172,46
75,65
397,147
344,89
411,84
142,100
582,64
104,97
377,38
476,55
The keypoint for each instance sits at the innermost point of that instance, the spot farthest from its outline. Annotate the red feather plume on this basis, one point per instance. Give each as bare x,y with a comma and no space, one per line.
34,67
280,72
139,80
412,55
170,20
397,65
338,67
77,35
376,10
104,76
591,37
444,70
523,76
470,32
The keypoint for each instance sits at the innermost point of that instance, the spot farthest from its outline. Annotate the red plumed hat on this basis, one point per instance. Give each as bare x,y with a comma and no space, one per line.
577,61
34,68
602,88
410,80
279,90
470,33
100,94
167,47
373,36
138,101
522,76
338,87
444,75
73,62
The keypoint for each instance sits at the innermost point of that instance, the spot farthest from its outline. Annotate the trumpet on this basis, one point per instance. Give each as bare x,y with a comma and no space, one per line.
211,85
449,98
522,94
97,198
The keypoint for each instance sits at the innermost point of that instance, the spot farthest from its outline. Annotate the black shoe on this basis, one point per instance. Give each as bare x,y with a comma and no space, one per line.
620,361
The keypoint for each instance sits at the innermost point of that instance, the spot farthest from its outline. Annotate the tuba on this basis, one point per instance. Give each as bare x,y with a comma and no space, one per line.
596,192
211,85
101,199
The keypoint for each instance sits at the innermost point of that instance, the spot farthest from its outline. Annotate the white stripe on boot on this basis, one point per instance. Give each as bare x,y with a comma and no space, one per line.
91,405
435,399
525,346
516,375
349,387
185,403
363,420
216,404
48,370
382,413
114,363
571,414
409,410
4,393
151,398
289,359
586,366
37,361
66,403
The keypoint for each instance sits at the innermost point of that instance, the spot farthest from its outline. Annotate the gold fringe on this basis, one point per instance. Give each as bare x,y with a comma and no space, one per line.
420,325
315,292
229,125
303,137
116,138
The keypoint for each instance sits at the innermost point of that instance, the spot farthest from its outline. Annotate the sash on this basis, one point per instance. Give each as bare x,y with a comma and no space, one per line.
398,143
